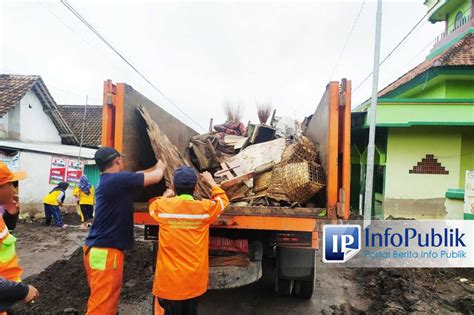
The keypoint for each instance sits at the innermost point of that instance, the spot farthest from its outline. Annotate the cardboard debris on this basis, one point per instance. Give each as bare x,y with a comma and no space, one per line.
256,155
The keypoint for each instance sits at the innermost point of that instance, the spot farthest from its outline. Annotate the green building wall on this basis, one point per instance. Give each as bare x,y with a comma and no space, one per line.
463,6
467,154
460,88
421,196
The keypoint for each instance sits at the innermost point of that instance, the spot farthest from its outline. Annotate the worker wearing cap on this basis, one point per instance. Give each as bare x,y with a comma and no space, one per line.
182,268
112,230
11,288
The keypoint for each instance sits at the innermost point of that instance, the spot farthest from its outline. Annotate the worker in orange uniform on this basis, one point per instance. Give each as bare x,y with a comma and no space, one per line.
182,268
111,232
11,288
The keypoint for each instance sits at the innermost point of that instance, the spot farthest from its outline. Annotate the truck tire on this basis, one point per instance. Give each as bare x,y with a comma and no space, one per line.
283,287
304,289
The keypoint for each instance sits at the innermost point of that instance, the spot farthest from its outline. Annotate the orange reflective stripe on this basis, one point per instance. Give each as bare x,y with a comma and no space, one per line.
183,216
3,232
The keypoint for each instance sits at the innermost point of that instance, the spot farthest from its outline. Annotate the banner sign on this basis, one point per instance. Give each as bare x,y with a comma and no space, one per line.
74,171
65,170
400,244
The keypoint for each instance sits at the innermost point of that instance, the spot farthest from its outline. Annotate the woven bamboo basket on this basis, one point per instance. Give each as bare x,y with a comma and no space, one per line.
297,181
262,181
276,189
302,150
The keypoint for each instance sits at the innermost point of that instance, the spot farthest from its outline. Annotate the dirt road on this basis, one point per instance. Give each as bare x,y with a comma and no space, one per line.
52,259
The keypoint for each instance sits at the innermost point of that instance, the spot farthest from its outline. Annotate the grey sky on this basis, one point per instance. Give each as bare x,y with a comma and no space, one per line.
202,53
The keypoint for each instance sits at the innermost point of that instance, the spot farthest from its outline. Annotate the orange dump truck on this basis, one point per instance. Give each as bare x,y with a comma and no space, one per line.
287,235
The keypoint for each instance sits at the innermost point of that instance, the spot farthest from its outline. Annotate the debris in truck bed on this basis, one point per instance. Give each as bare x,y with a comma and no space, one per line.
262,133
302,150
256,155
168,152
297,181
231,128
286,127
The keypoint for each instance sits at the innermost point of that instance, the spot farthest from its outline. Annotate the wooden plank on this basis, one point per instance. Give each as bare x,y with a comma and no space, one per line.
257,211
273,211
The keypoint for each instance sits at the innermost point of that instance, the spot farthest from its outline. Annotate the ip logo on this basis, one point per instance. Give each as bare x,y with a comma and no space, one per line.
340,242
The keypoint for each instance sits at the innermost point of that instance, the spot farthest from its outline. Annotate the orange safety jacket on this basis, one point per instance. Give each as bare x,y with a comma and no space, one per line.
182,268
9,267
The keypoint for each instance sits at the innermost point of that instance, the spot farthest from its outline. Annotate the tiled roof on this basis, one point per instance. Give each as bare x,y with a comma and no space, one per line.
460,54
74,116
13,88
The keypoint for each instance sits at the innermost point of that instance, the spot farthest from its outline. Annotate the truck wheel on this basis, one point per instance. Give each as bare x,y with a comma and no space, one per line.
283,287
304,289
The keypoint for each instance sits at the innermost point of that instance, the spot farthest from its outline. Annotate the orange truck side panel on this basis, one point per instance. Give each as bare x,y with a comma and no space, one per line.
346,149
332,186
250,223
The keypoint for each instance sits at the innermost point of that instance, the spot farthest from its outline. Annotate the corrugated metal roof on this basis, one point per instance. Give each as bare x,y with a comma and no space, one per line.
49,148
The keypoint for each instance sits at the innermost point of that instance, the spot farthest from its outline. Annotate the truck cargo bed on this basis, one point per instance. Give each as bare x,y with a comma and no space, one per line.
261,211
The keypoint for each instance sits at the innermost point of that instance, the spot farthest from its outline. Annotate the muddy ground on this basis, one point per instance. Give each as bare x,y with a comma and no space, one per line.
52,260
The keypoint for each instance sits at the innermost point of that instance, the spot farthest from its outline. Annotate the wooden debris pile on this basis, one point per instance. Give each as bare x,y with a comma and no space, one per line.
281,172
275,172
168,153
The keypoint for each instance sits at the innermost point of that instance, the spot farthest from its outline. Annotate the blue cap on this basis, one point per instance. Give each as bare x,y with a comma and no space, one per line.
185,177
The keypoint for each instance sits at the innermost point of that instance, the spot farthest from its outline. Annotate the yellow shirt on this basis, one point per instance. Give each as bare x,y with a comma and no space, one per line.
53,198
83,198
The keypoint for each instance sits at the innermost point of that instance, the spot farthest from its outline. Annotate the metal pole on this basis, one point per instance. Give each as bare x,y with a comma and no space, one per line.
82,129
372,113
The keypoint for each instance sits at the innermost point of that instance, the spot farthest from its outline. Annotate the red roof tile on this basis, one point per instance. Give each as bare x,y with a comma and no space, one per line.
74,116
13,88
460,54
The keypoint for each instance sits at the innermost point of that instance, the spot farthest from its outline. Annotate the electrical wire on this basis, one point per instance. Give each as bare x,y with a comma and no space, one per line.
89,26
78,34
403,39
396,47
347,40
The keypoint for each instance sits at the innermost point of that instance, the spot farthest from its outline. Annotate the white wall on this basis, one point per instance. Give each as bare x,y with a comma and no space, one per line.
10,124
33,189
4,126
35,125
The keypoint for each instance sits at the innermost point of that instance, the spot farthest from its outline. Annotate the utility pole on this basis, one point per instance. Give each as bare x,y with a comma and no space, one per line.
83,126
369,176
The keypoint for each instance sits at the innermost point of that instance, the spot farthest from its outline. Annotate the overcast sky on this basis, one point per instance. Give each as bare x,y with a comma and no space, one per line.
203,53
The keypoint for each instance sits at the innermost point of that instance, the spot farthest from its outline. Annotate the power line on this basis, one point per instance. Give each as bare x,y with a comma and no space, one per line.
78,34
88,25
347,39
395,48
